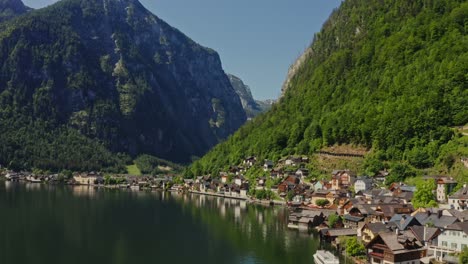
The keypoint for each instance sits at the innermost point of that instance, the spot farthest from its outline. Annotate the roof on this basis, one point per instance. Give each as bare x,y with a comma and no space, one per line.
407,188
353,218
397,242
341,232
438,221
431,232
377,227
460,194
460,226
402,221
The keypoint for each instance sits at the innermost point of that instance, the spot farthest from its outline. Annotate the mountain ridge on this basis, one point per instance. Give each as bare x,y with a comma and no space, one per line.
12,8
116,74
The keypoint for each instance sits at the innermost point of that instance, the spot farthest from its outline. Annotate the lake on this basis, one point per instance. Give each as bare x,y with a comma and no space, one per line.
65,224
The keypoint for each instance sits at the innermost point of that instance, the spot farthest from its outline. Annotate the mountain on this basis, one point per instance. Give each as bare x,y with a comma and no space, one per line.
88,78
388,76
12,8
251,106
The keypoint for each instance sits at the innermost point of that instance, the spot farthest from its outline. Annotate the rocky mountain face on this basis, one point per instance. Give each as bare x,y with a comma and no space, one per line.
251,106
11,8
115,72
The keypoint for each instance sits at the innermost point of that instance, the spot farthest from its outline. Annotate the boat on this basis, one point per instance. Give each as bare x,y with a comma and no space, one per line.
325,257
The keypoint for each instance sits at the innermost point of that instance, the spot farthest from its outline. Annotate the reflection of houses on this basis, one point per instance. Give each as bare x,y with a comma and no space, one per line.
395,247
459,200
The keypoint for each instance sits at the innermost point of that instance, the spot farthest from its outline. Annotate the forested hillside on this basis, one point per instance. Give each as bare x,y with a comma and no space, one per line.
387,75
82,80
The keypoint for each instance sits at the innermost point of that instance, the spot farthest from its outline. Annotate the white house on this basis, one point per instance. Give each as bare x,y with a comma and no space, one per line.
268,165
444,186
459,199
453,239
362,184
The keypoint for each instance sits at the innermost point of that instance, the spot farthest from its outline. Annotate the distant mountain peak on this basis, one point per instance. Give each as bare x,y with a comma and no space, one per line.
11,8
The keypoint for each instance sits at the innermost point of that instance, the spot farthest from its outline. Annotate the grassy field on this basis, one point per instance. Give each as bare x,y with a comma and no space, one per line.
133,170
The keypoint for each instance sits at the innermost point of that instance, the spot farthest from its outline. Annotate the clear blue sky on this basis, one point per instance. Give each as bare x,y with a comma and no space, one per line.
256,39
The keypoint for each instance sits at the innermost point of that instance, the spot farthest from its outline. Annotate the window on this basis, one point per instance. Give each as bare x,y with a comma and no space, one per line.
444,243
453,245
463,246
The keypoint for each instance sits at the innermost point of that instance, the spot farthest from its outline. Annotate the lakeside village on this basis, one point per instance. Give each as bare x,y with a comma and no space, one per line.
375,224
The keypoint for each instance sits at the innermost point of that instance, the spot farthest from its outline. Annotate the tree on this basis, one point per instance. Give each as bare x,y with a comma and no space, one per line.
464,255
333,219
290,195
354,247
424,196
322,202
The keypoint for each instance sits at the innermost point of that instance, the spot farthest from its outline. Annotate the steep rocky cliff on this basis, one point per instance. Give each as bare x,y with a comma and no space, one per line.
12,8
251,106
115,72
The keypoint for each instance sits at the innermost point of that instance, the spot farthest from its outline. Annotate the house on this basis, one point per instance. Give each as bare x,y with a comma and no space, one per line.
86,179
224,177
381,176
403,221
302,173
274,174
370,230
249,161
292,161
319,185
435,218
459,200
395,247
362,184
464,160
342,179
445,186
261,183
288,184
427,235
453,239
239,180
268,165
322,195
330,235
350,221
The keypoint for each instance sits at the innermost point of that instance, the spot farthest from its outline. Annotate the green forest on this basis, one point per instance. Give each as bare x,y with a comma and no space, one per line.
390,76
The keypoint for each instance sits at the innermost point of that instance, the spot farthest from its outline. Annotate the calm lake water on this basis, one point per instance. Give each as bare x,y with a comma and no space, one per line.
64,224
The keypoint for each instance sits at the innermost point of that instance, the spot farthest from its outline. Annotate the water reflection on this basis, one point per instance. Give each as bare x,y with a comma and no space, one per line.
53,223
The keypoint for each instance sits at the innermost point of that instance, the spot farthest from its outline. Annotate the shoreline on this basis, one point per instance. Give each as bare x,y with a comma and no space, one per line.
121,187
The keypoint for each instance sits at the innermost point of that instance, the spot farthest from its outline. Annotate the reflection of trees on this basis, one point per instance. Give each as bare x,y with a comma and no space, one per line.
253,230
55,222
